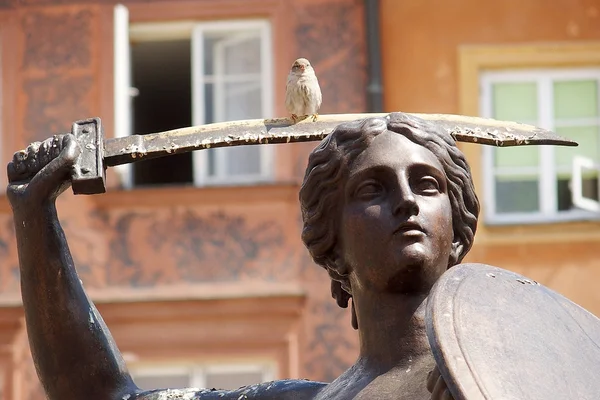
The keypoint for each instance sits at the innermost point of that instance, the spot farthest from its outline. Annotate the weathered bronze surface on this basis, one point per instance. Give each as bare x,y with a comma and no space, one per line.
497,335
388,205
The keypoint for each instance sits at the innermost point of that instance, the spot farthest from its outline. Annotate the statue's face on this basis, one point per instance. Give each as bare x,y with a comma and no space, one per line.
396,224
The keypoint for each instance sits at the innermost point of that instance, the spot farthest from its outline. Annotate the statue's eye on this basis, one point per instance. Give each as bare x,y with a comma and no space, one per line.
427,184
368,189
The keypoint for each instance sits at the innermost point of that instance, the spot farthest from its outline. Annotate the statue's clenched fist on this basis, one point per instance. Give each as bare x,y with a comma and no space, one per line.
43,170
26,163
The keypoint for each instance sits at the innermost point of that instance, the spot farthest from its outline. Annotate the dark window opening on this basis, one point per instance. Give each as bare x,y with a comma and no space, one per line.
161,72
589,190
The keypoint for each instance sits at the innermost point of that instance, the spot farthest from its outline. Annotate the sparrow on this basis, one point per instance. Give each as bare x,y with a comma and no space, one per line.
302,92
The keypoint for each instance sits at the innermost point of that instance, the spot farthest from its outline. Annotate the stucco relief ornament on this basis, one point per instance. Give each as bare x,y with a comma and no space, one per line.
389,211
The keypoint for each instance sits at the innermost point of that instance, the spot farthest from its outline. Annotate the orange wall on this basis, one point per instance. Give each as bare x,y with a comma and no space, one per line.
420,39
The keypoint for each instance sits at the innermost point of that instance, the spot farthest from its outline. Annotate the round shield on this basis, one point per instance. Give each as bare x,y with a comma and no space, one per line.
497,335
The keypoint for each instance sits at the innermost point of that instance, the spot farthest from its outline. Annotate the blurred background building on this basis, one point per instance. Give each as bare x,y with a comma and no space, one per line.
195,261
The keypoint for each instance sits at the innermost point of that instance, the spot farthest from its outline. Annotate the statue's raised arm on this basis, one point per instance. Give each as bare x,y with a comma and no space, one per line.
73,350
68,338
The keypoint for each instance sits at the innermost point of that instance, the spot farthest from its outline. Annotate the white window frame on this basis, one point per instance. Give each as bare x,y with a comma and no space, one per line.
579,164
547,180
123,92
200,159
123,123
198,371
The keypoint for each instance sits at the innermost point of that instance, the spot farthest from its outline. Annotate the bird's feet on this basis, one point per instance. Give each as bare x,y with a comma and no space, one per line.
314,117
294,118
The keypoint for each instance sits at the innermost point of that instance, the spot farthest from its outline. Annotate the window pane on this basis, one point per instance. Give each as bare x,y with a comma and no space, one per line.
242,56
238,51
516,194
515,101
233,91
209,103
588,138
212,161
576,99
209,59
232,380
151,381
526,156
589,189
243,100
243,160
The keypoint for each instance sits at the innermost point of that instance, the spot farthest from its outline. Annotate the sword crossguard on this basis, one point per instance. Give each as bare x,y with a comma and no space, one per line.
89,174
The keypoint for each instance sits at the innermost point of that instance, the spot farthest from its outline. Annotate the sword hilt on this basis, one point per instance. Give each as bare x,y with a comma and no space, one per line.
89,173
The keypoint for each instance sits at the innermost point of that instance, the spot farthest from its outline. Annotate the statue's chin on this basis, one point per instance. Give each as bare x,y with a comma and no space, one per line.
411,255
414,270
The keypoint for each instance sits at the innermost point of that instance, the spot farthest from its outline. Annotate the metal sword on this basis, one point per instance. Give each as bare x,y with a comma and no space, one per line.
99,153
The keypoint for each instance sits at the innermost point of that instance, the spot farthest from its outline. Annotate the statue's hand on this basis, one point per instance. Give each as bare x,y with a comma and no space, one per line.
41,172
437,386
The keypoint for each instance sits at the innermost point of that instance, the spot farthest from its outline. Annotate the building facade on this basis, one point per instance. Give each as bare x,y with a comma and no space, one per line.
195,261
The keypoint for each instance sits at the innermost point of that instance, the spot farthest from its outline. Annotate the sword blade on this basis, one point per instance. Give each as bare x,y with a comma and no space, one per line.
281,130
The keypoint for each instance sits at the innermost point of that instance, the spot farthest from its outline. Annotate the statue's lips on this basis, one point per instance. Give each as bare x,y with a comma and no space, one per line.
409,229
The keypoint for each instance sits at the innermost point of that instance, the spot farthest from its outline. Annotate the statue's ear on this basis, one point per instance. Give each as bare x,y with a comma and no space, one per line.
457,249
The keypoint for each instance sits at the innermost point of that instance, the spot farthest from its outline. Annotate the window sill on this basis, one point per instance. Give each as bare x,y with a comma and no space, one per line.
524,219
180,195
570,228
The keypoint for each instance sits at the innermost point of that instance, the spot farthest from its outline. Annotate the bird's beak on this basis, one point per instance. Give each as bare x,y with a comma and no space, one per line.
302,67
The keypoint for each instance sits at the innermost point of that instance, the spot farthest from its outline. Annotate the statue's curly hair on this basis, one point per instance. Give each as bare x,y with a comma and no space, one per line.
321,191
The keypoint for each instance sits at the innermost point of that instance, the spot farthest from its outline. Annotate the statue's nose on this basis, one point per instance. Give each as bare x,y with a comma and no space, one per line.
405,201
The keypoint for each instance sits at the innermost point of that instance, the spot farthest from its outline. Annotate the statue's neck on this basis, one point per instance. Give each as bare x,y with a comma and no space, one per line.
391,329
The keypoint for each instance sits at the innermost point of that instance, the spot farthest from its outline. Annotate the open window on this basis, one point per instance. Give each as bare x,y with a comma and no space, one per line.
177,74
585,184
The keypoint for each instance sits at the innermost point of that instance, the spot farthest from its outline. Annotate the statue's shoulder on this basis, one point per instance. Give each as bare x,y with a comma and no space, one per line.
290,389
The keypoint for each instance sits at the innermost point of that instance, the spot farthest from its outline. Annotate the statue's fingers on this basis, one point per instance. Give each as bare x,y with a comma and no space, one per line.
447,395
31,160
438,390
17,166
44,156
65,140
12,173
57,172
55,146
432,379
